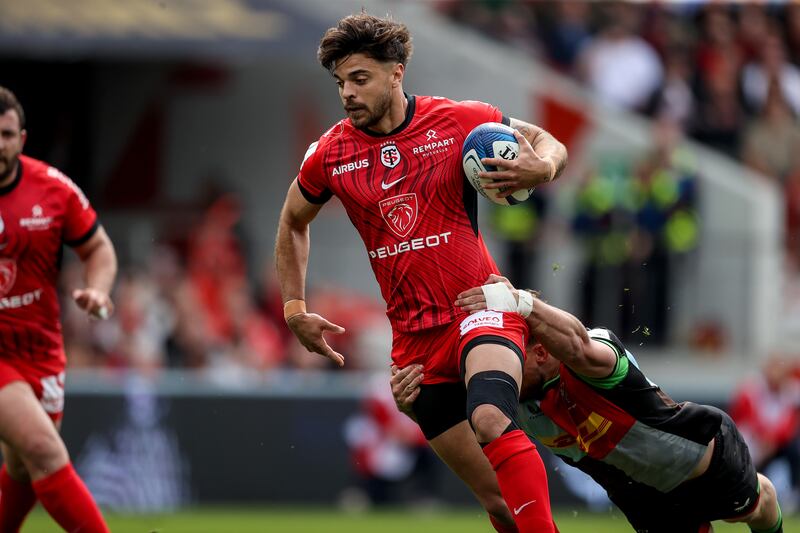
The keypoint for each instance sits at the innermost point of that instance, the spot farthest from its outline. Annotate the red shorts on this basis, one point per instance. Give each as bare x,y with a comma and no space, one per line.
46,380
440,349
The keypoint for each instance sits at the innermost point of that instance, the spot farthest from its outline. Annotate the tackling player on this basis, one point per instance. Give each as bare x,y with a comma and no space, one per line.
669,467
395,164
40,210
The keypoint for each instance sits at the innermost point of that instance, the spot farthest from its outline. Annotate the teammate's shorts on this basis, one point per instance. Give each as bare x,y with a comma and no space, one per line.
441,403
728,489
46,380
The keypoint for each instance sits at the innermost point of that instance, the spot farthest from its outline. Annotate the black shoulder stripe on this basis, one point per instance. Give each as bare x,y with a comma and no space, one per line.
506,120
313,199
85,237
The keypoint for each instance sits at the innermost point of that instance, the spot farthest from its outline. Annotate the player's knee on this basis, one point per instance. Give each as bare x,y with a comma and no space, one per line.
492,403
768,500
488,422
766,511
43,452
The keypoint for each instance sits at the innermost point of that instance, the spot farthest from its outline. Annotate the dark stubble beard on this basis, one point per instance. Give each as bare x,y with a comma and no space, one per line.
372,117
11,163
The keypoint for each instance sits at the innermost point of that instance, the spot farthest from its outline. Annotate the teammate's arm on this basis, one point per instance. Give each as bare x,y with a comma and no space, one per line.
561,333
541,159
100,269
292,246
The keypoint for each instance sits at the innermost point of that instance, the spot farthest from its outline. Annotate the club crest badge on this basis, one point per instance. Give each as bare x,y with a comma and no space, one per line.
8,274
400,213
390,156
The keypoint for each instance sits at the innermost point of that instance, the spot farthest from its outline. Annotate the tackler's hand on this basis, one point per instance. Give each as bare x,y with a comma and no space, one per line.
497,294
405,384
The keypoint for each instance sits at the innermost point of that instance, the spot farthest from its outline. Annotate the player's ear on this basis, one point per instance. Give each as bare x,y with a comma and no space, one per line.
23,136
398,71
540,353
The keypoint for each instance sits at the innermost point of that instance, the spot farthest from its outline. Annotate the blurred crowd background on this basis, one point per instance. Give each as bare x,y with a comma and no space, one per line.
725,75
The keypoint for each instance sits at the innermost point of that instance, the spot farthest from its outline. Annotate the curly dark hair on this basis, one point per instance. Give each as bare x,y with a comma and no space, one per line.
382,39
9,101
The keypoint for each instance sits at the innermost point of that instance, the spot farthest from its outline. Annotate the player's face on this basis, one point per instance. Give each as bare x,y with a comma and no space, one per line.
365,87
540,367
12,139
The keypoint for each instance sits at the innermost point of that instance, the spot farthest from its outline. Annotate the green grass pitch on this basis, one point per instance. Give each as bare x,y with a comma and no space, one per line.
318,520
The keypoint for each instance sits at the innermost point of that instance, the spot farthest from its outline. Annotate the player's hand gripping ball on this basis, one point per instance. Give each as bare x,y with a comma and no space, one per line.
490,139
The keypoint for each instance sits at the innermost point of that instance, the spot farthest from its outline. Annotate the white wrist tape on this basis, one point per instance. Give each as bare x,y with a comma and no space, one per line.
500,298
525,304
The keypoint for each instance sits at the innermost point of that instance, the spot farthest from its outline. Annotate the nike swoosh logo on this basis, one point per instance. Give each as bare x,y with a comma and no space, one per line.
386,186
741,508
519,509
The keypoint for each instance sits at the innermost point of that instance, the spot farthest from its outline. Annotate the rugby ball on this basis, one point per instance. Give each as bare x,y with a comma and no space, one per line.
490,139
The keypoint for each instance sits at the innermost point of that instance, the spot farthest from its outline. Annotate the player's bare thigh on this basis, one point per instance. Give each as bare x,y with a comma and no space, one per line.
28,433
459,449
486,357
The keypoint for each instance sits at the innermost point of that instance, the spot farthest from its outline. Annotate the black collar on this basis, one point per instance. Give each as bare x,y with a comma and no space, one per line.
409,115
5,189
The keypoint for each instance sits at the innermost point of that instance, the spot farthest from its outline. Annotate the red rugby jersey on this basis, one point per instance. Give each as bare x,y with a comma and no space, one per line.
41,209
407,196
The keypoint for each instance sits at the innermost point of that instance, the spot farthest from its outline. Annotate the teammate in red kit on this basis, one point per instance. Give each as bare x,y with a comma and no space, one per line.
41,209
395,164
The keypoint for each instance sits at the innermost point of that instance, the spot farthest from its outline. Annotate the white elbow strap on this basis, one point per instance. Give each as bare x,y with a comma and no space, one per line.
500,298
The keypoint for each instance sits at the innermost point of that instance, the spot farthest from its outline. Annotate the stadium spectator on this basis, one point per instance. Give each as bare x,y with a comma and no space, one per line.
602,223
766,410
636,220
719,116
136,337
725,53
618,65
792,20
367,57
772,140
388,450
252,343
674,100
567,33
216,263
792,234
666,229
772,68
522,229
753,29
669,467
269,299
41,209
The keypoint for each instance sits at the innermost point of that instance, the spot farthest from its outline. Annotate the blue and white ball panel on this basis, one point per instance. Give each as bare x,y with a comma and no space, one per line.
491,139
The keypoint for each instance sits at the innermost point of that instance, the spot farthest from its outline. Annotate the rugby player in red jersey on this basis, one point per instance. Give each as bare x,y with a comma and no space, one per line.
395,164
41,209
